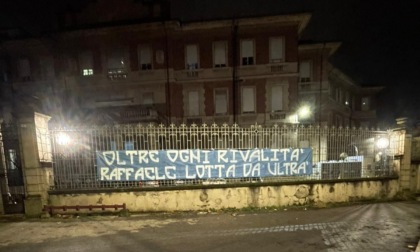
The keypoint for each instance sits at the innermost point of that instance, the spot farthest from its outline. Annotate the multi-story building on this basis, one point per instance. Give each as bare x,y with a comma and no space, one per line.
332,97
134,64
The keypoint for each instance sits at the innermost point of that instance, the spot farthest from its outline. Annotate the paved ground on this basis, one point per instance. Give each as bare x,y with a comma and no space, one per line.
369,227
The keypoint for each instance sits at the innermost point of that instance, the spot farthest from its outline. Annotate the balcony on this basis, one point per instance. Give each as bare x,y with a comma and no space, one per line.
277,116
309,86
368,114
125,114
117,74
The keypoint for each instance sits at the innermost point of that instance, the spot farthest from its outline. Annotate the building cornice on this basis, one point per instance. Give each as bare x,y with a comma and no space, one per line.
301,20
340,76
332,46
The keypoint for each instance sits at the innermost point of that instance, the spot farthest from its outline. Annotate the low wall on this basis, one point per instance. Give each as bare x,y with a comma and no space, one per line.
236,197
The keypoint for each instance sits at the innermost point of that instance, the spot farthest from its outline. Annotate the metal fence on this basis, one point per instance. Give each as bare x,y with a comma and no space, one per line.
11,172
338,153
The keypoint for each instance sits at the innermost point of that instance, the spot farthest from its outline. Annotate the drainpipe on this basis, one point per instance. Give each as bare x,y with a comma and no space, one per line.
167,86
320,102
234,68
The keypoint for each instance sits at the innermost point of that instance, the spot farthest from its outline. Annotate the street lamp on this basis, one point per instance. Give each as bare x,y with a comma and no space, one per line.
381,159
304,112
63,139
382,143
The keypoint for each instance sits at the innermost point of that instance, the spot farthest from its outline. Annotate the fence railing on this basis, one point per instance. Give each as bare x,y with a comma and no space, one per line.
338,153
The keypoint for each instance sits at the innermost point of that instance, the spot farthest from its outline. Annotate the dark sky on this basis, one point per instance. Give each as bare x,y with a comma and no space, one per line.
380,39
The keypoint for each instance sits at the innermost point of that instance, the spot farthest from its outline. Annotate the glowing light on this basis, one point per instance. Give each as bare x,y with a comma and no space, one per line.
382,143
63,139
304,112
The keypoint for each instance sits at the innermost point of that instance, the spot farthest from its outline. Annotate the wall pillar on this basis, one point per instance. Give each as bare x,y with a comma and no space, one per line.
2,174
405,165
36,177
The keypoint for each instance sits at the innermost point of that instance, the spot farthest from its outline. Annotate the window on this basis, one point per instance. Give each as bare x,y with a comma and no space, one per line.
305,71
116,60
191,57
247,52
24,69
47,67
160,56
365,103
276,49
70,65
117,67
193,103
145,56
347,99
3,71
277,98
86,63
219,54
148,98
248,100
220,101
338,120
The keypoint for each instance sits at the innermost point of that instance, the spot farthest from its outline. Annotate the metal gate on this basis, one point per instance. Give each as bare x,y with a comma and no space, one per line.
11,176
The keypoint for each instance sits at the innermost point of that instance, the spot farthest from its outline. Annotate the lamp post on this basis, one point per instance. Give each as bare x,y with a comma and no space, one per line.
381,159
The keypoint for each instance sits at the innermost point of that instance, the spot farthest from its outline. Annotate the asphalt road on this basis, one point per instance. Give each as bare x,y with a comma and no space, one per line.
368,227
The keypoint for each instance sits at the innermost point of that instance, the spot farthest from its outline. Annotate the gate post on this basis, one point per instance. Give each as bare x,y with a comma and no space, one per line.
2,173
37,177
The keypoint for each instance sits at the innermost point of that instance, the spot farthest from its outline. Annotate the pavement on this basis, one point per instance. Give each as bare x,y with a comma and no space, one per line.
393,226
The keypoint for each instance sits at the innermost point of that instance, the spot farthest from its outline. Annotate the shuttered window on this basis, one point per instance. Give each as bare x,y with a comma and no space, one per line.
305,71
277,98
145,56
276,49
248,100
247,52
191,57
220,102
219,53
193,104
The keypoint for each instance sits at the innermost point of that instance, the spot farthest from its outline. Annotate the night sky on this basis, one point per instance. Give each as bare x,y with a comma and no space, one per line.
380,39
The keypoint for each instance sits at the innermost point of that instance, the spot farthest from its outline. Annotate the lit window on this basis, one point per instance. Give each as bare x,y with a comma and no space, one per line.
220,101
219,54
191,57
248,100
276,49
86,63
247,52
305,71
87,72
145,56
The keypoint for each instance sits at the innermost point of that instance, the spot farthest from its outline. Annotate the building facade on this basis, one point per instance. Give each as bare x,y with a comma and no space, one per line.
332,97
136,65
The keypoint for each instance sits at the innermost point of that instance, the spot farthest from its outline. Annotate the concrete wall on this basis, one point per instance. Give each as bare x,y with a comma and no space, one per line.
236,197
